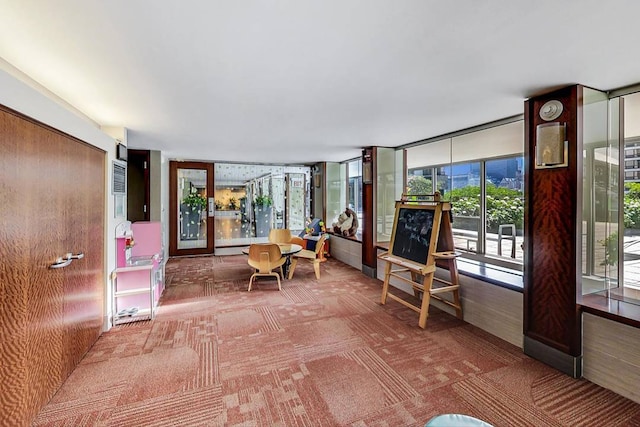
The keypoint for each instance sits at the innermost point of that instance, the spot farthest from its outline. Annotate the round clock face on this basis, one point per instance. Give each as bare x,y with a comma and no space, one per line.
551,110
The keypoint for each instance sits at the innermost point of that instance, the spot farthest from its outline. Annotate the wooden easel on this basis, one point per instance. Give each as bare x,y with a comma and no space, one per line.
412,242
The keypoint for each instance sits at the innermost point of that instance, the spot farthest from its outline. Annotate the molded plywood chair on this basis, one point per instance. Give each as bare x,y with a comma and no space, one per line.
313,256
264,258
283,235
280,235
298,241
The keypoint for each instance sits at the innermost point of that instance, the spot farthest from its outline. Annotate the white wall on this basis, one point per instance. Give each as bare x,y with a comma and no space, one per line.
19,93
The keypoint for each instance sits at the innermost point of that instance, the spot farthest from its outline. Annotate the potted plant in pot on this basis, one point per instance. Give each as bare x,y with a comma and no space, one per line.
262,206
233,204
191,209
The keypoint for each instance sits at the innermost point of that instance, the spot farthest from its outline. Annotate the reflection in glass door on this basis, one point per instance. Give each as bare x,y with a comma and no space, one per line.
250,200
600,164
297,189
191,208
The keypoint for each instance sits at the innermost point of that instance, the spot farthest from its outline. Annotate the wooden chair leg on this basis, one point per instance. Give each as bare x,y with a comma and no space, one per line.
292,267
278,277
316,268
251,281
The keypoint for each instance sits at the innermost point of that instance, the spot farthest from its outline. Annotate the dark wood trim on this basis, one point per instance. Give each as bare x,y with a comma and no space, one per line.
138,156
612,309
369,258
173,208
323,188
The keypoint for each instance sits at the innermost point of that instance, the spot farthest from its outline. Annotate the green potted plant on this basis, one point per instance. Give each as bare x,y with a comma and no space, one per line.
195,201
190,210
265,201
262,207
233,204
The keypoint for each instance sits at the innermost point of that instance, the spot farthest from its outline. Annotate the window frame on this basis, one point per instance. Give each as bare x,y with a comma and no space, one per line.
480,254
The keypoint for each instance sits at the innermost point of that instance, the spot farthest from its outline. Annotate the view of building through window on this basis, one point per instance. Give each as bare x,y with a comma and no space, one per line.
631,202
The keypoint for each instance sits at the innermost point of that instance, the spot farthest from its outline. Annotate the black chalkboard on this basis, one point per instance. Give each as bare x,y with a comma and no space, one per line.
412,232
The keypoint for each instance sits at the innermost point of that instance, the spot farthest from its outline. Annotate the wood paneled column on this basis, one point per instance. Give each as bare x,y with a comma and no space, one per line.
369,173
552,223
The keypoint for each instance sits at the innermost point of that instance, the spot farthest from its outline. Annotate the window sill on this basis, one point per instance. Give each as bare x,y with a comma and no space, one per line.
356,238
499,276
490,273
612,309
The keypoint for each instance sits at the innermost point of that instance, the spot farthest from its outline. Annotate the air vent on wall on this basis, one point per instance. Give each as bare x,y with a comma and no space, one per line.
119,178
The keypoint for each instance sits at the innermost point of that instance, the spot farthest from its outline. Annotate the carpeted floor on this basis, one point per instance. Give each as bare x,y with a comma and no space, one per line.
318,353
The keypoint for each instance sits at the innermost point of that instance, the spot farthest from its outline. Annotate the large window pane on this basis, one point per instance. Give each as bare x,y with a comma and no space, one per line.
420,181
252,199
630,291
355,190
504,190
599,218
336,182
387,187
465,204
481,173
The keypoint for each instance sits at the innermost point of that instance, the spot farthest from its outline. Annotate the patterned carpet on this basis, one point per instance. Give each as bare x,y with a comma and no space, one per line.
318,353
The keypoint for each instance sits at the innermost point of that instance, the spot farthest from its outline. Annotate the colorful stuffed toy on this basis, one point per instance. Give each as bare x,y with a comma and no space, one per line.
347,223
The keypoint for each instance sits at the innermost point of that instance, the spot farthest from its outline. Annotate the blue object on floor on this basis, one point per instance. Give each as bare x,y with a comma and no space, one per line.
455,420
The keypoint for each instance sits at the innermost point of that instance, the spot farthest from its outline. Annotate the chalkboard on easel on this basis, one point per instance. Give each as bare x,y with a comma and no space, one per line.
421,238
412,231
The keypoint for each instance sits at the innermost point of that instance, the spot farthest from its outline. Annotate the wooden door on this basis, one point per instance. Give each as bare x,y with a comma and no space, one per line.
52,188
191,226
138,185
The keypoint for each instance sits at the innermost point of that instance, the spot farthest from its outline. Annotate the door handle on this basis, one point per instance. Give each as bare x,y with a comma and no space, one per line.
64,261
61,262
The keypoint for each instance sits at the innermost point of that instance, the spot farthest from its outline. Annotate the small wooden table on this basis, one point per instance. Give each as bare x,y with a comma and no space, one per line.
286,249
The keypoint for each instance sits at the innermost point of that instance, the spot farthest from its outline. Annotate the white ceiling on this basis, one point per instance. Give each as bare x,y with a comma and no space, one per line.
293,81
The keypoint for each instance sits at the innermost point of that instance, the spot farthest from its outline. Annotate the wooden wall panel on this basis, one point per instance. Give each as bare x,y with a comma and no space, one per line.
53,203
368,214
552,218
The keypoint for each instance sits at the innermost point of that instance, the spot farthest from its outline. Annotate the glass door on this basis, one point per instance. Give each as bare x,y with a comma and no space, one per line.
192,208
600,171
296,201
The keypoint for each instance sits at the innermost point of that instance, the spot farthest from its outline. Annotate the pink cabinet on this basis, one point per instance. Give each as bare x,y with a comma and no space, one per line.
148,238
138,284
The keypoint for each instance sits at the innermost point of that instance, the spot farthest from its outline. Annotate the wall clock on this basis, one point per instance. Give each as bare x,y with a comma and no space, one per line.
551,110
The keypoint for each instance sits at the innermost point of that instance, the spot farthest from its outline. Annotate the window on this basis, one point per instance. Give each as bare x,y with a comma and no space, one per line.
336,183
390,181
344,190
354,193
611,265
482,174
